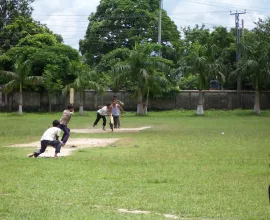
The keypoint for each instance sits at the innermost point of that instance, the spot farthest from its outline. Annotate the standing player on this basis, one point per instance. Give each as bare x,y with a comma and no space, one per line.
121,104
101,113
116,109
64,122
50,138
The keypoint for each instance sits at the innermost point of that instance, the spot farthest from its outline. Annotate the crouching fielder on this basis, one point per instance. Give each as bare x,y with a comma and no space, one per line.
50,138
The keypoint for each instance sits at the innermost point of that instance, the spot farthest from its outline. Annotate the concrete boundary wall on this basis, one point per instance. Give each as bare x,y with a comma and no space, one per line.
214,99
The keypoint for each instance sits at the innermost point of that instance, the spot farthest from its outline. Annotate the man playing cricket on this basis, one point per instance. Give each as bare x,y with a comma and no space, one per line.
101,113
50,138
64,122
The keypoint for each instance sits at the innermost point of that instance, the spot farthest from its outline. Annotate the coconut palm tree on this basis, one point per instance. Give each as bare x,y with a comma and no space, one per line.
20,78
255,65
84,79
202,62
143,69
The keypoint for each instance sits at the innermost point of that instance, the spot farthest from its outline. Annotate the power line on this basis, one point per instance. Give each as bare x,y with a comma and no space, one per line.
234,5
200,12
209,4
80,15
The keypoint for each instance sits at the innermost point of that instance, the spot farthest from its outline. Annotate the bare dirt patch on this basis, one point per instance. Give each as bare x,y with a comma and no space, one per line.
72,144
95,130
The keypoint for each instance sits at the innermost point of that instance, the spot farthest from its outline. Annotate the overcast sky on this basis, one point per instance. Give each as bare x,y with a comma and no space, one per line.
69,17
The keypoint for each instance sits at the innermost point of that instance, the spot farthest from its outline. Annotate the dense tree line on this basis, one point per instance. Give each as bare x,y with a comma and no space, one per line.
120,52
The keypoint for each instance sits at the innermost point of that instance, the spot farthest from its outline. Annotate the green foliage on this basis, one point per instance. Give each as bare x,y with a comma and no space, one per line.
105,69
196,34
203,63
224,53
29,45
142,69
189,82
84,78
42,50
64,50
18,29
38,40
121,23
109,40
20,77
5,62
11,9
51,83
255,62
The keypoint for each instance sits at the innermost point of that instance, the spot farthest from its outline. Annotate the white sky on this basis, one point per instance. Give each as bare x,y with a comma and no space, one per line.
69,17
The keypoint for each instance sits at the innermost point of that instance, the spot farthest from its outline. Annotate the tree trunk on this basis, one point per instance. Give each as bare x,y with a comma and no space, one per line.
140,103
81,103
146,103
20,101
200,103
257,109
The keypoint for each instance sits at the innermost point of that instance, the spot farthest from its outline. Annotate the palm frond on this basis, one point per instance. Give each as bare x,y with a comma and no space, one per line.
122,68
10,86
8,74
144,74
33,80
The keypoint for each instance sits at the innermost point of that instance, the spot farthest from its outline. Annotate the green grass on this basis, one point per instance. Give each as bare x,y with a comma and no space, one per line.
183,166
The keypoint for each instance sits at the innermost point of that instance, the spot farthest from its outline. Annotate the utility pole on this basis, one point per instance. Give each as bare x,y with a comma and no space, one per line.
237,35
159,23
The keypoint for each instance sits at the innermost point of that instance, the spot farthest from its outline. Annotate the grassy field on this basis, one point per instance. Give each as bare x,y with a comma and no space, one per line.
183,166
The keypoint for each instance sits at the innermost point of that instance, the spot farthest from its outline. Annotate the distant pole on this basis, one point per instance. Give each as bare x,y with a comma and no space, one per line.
160,24
71,96
237,35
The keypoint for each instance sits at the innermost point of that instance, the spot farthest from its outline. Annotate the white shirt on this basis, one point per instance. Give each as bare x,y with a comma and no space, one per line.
115,110
51,133
103,111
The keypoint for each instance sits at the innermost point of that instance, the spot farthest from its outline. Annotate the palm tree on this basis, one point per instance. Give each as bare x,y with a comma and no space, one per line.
20,78
255,64
84,79
143,69
202,62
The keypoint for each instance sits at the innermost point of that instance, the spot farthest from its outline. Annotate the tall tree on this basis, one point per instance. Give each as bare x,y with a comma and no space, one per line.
121,23
20,78
144,70
255,64
203,63
10,9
